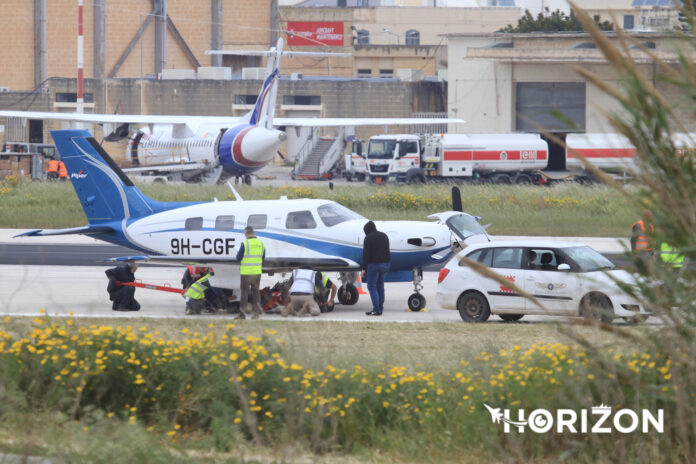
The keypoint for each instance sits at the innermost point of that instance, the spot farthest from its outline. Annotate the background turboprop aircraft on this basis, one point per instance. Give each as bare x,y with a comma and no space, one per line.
319,234
213,147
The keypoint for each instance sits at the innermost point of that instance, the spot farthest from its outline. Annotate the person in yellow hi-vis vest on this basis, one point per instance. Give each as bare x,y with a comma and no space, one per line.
196,295
250,256
670,255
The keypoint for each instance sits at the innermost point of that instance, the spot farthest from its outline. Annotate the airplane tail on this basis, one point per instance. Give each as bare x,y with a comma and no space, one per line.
264,109
105,192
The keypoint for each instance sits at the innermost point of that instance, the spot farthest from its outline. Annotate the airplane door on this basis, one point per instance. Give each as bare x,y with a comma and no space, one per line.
555,289
506,262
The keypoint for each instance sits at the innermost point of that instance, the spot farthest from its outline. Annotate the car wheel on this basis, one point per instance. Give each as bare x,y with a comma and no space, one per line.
473,307
511,317
598,307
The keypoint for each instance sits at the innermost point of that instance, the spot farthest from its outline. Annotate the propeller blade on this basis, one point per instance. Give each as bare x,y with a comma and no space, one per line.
456,199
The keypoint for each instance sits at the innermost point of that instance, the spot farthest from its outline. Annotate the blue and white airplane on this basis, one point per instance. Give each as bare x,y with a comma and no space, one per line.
320,234
209,148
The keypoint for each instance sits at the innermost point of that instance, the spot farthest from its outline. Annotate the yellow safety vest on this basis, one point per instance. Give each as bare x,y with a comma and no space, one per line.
324,280
670,255
197,290
252,261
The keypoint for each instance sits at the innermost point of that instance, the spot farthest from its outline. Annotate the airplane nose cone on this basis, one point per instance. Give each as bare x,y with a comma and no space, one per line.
260,144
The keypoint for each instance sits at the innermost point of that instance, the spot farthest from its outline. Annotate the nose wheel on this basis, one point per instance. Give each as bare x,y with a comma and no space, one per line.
416,301
348,293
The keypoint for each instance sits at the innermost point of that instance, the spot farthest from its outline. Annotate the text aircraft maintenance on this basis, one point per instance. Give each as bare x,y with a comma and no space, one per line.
211,148
318,234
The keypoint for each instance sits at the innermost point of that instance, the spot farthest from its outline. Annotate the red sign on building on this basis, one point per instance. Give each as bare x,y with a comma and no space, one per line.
315,33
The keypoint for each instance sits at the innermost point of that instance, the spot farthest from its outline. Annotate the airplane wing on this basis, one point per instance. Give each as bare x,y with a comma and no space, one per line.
221,120
269,264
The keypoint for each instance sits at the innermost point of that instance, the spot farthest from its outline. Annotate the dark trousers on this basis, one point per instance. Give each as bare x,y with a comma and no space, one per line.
375,284
250,287
123,298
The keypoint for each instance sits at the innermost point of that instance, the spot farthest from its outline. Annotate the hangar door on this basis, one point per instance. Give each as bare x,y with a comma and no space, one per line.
553,106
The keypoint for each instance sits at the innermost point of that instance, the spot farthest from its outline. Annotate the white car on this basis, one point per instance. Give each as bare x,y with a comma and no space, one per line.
566,278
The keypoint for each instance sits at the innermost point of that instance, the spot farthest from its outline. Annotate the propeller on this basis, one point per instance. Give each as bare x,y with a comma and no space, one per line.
456,199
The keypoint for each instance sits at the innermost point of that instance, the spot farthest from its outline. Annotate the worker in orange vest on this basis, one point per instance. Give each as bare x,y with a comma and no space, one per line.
62,171
642,233
52,171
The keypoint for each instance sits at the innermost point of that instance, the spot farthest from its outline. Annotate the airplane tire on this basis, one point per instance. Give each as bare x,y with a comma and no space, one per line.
348,295
416,302
247,179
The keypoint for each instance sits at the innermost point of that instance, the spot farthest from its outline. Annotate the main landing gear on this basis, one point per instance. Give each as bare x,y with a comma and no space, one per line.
348,293
416,301
246,179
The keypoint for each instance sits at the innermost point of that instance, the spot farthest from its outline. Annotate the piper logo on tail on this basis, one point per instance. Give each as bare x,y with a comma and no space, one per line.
78,175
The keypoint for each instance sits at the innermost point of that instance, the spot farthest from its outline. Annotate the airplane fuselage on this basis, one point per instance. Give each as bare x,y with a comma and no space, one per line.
303,228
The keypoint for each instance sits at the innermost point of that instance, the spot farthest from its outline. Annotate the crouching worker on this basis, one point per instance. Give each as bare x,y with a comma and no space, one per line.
198,295
302,285
321,293
123,296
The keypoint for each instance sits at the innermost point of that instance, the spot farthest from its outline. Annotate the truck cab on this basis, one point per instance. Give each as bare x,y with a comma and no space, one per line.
392,156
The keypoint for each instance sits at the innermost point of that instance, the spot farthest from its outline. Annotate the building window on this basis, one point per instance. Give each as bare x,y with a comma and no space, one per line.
71,97
301,99
628,22
364,73
412,38
245,99
363,37
386,73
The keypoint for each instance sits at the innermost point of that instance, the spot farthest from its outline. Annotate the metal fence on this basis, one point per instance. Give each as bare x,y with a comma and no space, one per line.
434,128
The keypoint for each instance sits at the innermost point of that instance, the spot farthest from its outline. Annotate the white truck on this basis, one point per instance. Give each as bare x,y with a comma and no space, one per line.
502,158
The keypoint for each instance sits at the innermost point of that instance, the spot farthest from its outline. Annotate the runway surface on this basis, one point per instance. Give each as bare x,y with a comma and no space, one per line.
65,274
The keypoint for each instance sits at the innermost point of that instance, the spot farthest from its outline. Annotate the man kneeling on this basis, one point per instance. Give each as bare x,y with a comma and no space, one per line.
302,301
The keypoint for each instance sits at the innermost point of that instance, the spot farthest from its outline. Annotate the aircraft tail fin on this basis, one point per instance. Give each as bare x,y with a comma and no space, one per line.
105,192
264,109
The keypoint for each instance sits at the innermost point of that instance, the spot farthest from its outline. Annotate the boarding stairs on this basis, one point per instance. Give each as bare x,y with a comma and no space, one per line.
319,158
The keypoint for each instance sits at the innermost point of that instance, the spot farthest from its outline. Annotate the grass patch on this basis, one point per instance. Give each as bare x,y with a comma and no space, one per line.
387,391
563,210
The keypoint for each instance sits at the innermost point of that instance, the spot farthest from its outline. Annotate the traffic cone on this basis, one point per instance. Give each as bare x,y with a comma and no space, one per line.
358,285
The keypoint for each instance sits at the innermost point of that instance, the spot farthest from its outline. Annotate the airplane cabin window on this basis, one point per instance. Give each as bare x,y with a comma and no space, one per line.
300,220
224,223
333,213
194,223
257,221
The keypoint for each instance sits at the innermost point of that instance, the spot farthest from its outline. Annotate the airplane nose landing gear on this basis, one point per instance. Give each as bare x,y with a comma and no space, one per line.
347,293
416,301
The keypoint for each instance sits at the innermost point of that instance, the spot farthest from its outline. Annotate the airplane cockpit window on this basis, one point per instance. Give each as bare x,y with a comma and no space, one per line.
224,223
194,223
300,220
333,213
257,221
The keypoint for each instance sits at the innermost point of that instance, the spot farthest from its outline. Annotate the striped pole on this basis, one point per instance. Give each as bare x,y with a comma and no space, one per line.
80,60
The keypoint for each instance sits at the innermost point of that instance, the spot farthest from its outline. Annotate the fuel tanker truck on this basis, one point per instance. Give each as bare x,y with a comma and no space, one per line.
499,158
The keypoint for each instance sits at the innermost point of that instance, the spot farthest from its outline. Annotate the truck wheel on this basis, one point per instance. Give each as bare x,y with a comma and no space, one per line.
523,179
502,179
349,178
360,177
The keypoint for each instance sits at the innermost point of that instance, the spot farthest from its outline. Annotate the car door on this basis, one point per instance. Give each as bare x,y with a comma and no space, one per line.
506,262
554,289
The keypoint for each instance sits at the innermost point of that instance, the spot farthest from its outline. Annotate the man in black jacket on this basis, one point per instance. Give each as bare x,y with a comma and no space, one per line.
375,263
122,296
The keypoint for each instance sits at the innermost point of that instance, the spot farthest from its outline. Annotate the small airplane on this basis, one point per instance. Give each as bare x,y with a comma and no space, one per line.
319,234
210,148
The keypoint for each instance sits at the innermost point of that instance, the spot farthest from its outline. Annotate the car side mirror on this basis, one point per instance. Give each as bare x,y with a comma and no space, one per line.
563,267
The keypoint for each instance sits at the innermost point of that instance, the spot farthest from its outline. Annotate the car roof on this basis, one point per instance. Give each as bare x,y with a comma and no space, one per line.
529,243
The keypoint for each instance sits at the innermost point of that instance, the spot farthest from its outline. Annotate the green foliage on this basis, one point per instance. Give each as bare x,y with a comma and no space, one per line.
221,389
556,21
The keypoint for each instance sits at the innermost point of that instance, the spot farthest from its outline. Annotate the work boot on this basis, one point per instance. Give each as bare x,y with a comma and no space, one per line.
240,316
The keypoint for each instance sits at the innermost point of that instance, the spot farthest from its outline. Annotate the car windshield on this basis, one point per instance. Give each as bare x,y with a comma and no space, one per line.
588,259
333,213
381,149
